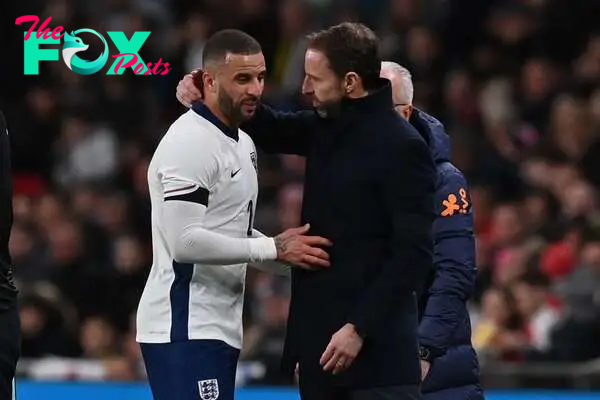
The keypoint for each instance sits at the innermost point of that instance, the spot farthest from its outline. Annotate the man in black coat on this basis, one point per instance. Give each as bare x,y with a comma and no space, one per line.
369,188
9,317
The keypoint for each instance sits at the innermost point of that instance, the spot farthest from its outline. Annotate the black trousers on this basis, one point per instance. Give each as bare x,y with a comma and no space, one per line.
315,392
9,350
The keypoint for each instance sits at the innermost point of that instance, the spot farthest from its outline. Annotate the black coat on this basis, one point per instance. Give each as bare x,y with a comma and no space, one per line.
8,292
369,188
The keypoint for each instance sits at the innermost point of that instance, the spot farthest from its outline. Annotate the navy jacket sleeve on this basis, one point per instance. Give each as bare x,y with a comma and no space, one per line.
281,132
454,261
408,189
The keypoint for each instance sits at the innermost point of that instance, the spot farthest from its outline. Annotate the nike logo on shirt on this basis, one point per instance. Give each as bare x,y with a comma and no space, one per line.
235,173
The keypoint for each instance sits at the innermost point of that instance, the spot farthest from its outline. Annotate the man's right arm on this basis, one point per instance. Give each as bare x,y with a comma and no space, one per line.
281,132
190,242
273,131
187,175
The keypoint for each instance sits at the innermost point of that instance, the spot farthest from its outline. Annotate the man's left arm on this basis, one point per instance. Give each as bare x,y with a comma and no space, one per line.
408,191
454,261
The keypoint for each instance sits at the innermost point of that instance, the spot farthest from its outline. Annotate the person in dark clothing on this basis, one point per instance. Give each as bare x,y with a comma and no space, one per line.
369,188
9,314
449,365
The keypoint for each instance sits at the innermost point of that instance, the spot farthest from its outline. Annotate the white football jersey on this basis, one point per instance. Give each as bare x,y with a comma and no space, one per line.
199,160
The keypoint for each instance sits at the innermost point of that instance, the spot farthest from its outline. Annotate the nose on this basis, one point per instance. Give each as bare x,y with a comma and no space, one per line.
255,88
307,86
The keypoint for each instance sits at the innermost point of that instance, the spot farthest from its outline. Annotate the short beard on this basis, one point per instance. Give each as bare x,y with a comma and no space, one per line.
329,109
230,110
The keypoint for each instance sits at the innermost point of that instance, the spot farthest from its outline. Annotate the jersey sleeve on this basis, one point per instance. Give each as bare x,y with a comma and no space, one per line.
273,267
187,173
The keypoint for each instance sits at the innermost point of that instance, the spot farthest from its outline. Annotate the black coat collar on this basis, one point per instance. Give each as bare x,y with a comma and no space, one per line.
379,99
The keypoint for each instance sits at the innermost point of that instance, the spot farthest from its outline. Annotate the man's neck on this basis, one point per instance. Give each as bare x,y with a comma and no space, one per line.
358,93
216,110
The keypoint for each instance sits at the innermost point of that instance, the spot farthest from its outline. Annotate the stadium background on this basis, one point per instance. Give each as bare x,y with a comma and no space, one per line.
517,84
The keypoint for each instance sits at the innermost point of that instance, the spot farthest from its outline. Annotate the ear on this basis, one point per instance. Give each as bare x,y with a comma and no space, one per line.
407,111
351,82
208,82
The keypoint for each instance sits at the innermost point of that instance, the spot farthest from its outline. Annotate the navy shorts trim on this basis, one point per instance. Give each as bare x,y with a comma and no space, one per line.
191,370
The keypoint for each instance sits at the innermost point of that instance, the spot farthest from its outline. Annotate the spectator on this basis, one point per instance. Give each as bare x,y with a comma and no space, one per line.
539,316
497,332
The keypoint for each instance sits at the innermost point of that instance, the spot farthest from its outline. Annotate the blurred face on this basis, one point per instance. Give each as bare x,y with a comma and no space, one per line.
506,226
292,16
510,265
590,256
458,88
535,207
32,321
20,244
128,255
112,213
536,78
49,209
421,45
529,299
538,173
238,85
325,89
494,307
97,337
65,242
22,208
570,124
578,199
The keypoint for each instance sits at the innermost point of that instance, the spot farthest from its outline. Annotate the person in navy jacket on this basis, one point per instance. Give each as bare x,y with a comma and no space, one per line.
450,369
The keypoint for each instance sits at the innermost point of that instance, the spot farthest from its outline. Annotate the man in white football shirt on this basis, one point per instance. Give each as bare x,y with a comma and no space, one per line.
203,190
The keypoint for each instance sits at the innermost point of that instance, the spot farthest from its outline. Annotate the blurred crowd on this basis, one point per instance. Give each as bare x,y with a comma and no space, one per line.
517,84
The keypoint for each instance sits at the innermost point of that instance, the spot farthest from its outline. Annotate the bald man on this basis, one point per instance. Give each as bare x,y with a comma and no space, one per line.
449,365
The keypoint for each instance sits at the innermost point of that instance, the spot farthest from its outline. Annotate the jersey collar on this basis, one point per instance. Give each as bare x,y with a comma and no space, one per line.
200,109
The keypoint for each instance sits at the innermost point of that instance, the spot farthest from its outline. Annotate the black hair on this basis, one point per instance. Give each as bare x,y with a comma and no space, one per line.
228,41
350,47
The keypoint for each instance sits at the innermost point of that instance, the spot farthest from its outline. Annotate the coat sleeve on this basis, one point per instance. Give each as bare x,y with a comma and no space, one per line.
407,189
454,261
279,132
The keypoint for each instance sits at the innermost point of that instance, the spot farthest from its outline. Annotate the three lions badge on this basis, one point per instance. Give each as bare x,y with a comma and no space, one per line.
209,389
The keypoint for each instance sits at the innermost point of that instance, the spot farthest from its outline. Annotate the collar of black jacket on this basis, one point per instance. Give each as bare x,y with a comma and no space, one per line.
379,99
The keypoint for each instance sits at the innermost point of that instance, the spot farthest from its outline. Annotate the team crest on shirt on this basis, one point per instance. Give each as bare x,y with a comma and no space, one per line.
254,161
209,389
